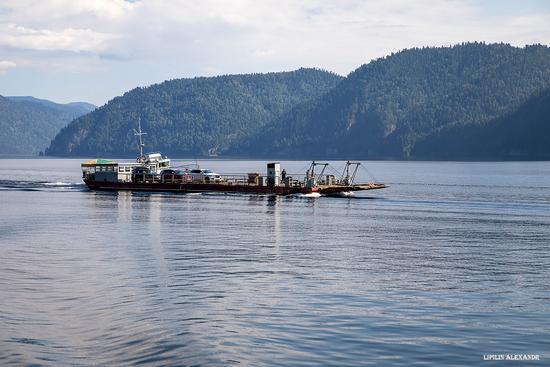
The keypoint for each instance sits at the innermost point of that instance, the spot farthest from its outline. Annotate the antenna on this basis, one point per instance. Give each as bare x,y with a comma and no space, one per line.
140,134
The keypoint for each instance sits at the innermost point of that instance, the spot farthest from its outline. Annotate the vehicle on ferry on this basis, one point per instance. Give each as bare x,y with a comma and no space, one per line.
205,175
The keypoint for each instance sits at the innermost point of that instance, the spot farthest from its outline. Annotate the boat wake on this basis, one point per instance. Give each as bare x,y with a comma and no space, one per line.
345,194
310,195
60,183
19,185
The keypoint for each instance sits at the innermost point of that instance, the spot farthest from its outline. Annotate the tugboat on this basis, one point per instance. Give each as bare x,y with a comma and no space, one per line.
153,172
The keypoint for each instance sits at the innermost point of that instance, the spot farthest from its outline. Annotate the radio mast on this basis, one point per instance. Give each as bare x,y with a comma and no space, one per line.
139,133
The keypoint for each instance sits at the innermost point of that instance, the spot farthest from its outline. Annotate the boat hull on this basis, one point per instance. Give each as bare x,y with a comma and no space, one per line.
195,187
217,187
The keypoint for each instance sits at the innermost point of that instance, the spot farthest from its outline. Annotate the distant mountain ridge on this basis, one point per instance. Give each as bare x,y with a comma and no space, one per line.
395,107
28,124
194,117
523,134
78,108
382,109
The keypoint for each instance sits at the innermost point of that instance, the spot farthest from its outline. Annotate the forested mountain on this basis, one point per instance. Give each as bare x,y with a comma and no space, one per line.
383,108
521,135
75,109
199,116
28,124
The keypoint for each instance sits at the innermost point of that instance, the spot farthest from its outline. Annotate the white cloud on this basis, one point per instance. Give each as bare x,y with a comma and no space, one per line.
68,39
338,35
6,65
148,40
54,11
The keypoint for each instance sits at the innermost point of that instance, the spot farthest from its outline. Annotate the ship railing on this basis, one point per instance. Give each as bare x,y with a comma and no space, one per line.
236,179
294,180
146,178
226,179
320,180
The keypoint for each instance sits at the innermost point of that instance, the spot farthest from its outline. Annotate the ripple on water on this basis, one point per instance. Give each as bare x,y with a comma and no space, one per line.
416,274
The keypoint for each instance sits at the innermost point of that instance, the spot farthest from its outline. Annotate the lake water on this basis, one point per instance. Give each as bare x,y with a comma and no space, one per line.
448,264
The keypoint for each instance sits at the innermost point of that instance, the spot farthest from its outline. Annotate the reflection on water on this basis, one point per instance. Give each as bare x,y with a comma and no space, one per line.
433,272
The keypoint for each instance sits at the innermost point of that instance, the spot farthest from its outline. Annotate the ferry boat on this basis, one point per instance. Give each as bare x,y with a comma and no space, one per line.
153,172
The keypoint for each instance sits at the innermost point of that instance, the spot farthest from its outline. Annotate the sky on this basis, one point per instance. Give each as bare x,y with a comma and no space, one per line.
95,50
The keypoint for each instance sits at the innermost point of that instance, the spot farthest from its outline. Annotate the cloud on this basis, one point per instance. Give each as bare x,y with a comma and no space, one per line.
68,39
43,12
335,35
140,42
6,65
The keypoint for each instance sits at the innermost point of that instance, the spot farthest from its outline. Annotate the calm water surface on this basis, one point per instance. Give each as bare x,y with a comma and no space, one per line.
448,264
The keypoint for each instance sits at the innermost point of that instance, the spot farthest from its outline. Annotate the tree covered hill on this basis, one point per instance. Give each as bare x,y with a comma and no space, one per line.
28,124
193,117
521,135
72,109
382,109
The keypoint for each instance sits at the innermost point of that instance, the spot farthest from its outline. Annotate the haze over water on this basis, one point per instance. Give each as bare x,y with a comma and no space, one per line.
448,264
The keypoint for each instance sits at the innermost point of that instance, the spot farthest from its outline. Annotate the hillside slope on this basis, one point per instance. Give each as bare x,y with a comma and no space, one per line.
521,135
193,117
73,108
383,108
28,124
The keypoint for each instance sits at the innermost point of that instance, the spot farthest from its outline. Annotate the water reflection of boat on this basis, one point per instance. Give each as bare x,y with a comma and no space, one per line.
153,172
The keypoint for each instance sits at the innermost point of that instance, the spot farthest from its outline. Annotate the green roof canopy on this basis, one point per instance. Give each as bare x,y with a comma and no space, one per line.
99,162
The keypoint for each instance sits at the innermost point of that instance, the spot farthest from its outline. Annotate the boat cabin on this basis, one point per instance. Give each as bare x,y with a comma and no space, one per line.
105,170
156,162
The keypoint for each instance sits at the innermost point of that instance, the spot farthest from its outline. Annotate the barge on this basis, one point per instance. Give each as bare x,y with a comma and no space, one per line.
153,172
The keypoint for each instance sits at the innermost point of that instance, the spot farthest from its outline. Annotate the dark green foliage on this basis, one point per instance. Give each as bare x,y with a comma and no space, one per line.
521,135
383,108
28,124
193,117
72,109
